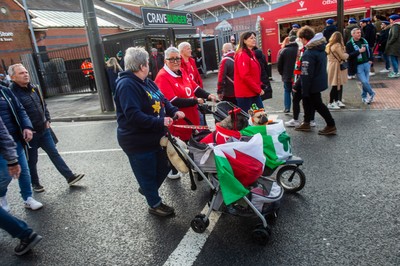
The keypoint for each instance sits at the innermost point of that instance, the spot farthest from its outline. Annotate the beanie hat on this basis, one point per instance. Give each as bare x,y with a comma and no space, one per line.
394,17
352,20
329,21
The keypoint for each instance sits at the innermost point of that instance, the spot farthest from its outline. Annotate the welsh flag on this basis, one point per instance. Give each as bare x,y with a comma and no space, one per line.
239,164
276,142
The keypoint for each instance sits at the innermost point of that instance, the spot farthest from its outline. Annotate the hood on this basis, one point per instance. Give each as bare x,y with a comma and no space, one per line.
318,42
230,54
128,74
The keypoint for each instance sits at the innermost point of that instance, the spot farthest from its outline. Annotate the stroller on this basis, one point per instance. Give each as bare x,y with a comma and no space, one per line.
259,193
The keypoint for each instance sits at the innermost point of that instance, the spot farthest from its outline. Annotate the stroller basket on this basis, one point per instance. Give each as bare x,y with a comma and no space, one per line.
201,153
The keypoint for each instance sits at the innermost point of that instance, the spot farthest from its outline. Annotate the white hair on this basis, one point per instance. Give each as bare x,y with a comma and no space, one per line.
183,45
135,58
11,69
170,50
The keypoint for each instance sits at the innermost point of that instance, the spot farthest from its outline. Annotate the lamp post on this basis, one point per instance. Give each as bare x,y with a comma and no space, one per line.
340,15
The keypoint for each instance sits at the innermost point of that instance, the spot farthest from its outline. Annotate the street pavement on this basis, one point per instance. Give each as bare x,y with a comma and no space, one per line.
347,214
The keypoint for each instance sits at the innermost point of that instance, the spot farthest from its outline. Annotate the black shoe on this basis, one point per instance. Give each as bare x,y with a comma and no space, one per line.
162,210
75,178
27,244
38,188
141,191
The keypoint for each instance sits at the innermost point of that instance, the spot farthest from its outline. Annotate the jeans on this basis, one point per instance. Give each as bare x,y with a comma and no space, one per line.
24,179
245,103
363,76
14,226
387,61
395,63
45,141
314,103
150,169
288,93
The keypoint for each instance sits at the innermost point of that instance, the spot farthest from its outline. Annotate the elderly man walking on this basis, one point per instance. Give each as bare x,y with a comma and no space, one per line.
35,106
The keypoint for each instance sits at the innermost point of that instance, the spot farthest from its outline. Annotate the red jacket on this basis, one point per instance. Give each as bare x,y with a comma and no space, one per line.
191,69
174,86
247,81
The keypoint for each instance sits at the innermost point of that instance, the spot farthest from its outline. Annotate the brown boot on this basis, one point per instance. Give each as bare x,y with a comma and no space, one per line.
328,130
303,127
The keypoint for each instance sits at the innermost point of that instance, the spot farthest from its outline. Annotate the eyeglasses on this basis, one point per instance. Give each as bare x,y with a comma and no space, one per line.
174,60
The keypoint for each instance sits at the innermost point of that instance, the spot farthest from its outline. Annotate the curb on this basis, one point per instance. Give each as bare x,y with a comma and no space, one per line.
84,118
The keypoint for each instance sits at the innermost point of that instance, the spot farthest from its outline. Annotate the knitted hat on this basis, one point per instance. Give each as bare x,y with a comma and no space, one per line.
394,17
297,26
329,21
352,20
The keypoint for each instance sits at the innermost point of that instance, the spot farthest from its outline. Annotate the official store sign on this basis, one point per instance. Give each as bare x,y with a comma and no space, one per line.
6,36
166,18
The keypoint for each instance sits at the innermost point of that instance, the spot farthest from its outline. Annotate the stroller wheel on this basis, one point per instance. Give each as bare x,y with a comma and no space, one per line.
291,178
200,223
261,235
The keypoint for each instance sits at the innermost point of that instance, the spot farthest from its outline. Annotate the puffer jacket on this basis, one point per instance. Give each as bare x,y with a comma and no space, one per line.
15,115
286,61
7,145
314,77
33,103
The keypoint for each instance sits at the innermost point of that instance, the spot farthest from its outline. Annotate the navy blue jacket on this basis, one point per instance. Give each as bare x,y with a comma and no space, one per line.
33,103
141,108
314,77
17,115
286,61
7,145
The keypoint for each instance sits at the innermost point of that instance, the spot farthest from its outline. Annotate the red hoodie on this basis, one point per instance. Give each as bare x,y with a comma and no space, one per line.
247,79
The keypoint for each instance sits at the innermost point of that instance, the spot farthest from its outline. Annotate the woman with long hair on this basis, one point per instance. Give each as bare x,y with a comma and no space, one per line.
247,77
336,52
113,68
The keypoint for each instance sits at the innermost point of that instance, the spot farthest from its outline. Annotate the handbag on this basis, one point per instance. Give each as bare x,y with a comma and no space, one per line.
267,92
344,65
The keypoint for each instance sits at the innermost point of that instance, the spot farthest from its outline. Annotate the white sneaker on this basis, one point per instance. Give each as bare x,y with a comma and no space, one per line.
350,77
384,70
33,204
312,123
372,73
174,176
292,123
340,104
4,204
333,106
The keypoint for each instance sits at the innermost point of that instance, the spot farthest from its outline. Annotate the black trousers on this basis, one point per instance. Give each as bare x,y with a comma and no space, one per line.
314,103
296,99
335,94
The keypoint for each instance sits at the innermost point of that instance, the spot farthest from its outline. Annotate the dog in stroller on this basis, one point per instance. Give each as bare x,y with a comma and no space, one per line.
257,192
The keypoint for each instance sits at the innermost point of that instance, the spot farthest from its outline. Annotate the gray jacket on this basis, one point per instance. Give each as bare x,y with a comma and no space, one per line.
7,145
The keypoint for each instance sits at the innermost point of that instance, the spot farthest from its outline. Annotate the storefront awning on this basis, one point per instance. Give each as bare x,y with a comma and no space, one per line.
322,15
388,6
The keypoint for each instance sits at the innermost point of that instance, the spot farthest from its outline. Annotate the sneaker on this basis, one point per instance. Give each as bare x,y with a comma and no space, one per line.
303,127
371,98
292,123
174,176
333,106
162,210
75,178
27,243
397,75
313,123
4,204
340,104
365,101
351,77
32,204
372,73
38,188
384,70
328,130
393,75
286,111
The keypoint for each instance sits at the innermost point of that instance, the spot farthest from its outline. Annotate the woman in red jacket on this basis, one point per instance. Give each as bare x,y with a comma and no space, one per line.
247,81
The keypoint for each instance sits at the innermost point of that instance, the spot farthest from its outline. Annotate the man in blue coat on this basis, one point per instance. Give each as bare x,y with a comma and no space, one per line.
314,80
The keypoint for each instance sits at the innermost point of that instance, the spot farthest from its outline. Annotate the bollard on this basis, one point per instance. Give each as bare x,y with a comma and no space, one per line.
269,68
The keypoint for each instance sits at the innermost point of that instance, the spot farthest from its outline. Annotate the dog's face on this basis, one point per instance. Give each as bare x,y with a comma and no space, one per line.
258,117
240,122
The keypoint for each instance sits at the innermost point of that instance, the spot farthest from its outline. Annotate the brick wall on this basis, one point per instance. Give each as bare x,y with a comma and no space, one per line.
14,34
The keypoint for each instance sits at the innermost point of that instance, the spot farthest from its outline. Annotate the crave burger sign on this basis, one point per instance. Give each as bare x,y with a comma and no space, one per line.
166,18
